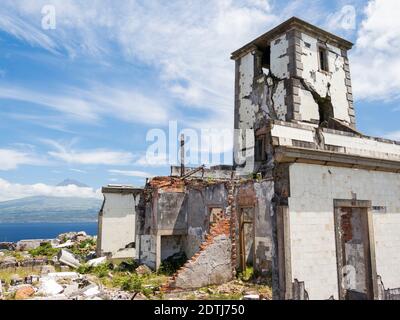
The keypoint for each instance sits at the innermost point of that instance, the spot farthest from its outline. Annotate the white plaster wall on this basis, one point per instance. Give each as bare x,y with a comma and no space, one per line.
279,57
364,147
319,80
308,107
118,222
313,189
148,250
247,110
279,101
279,68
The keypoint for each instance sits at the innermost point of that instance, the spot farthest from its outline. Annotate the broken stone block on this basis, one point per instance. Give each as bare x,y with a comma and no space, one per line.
24,292
49,287
66,257
64,275
91,290
71,290
47,269
143,270
67,244
31,279
26,245
97,261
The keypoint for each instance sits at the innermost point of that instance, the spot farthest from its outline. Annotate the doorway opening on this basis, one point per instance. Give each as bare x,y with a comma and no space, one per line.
354,250
246,237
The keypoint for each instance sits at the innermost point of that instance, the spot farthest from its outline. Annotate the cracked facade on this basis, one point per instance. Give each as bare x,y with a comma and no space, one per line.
322,219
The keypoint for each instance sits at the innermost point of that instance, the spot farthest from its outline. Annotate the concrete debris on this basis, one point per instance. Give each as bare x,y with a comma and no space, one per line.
24,292
67,244
64,275
32,279
96,262
73,236
47,269
91,291
49,287
72,290
68,258
143,270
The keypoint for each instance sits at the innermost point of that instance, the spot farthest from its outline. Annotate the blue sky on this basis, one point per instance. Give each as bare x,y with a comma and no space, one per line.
77,101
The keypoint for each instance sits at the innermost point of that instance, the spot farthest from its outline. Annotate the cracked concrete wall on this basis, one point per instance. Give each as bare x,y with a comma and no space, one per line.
117,221
178,221
212,266
335,83
148,252
264,227
200,201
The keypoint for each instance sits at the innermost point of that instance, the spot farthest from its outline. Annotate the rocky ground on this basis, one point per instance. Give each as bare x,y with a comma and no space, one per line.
66,268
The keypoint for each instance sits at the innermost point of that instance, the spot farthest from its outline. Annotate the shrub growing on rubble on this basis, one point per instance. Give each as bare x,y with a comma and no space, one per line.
170,265
45,250
129,265
100,271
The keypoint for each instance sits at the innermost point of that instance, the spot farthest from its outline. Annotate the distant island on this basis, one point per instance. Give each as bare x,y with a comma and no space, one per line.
51,209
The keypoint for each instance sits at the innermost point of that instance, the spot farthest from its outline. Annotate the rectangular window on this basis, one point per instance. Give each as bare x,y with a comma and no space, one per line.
323,59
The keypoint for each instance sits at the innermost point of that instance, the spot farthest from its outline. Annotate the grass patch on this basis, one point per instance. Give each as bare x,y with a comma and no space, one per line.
22,272
247,274
101,271
44,250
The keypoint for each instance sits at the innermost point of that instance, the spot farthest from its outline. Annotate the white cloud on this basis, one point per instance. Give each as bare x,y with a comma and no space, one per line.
395,135
11,159
11,191
127,173
188,42
86,157
90,105
152,160
375,61
78,170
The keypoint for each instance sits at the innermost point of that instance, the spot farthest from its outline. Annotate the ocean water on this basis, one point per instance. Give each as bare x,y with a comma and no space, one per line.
13,232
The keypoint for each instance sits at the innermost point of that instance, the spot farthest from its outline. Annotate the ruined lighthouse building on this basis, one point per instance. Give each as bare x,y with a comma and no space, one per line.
322,218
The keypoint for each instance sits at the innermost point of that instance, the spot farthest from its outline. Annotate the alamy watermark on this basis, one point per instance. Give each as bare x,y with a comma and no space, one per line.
49,17
201,147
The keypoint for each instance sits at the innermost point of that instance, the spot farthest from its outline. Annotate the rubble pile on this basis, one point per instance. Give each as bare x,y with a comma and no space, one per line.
51,270
66,268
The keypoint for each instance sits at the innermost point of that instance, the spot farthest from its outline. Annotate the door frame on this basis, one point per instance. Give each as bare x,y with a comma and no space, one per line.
242,243
371,262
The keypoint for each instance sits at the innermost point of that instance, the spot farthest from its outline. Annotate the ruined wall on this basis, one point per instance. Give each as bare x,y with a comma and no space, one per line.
313,189
211,265
259,195
172,212
200,201
177,219
148,250
335,83
294,88
117,221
